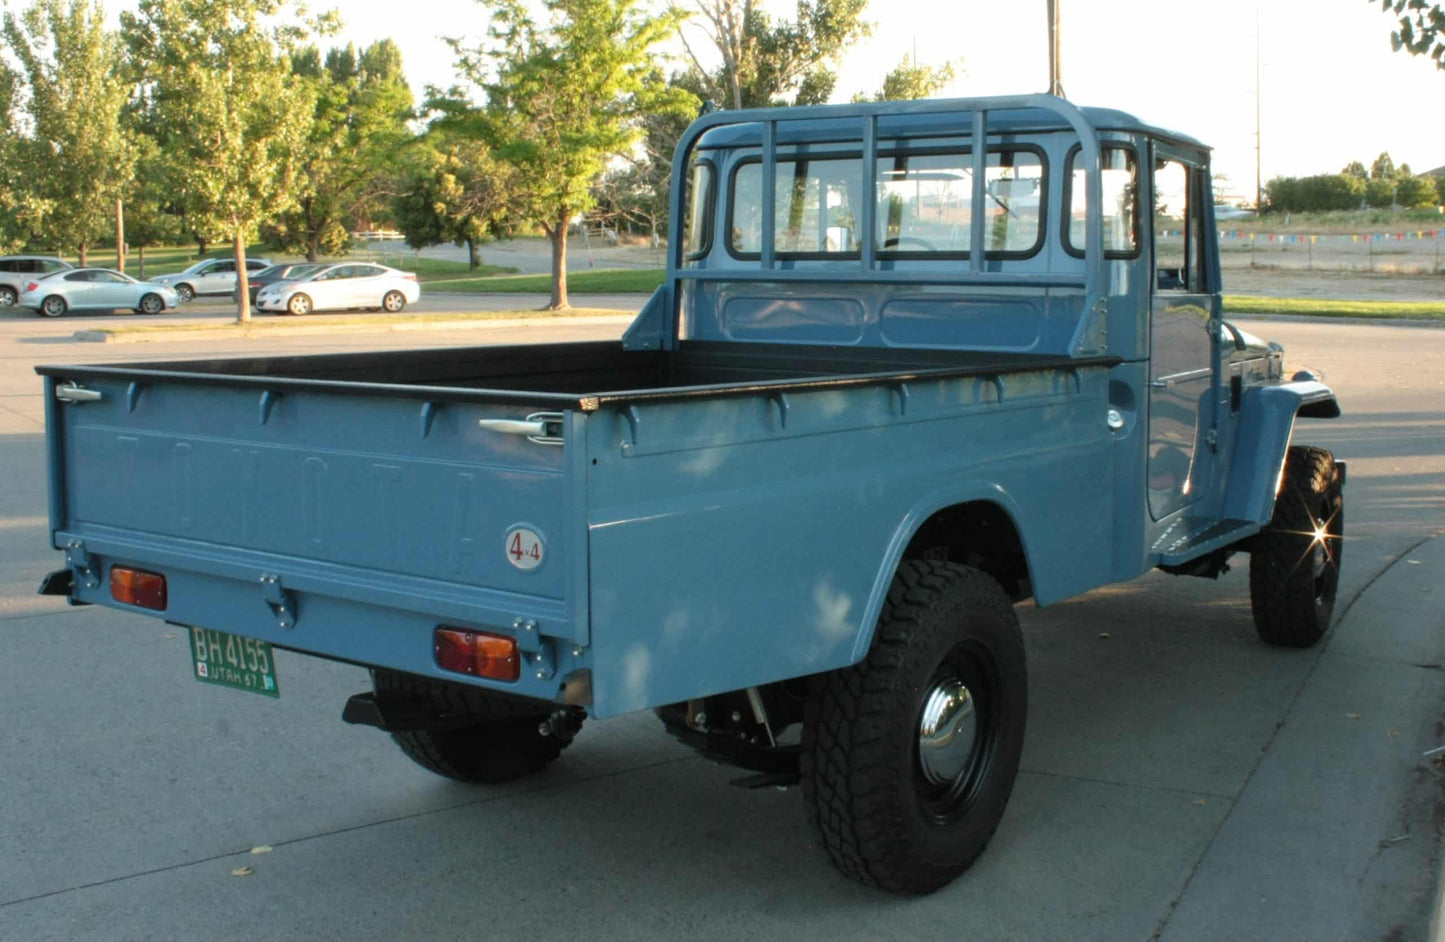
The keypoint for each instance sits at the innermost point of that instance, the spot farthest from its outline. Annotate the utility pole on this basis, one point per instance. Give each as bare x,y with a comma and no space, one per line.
1056,81
1258,141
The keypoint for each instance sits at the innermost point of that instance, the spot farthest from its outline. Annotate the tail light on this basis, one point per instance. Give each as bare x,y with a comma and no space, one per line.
138,587
253,284
409,275
32,286
477,653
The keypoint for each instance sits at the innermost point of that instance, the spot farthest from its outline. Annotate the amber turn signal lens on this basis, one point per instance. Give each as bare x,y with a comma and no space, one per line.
138,587
477,653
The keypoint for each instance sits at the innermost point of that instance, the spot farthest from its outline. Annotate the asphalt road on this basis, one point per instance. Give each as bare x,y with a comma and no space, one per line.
1181,780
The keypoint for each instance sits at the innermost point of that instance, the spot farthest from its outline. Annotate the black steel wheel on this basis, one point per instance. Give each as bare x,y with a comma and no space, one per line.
1294,563
186,293
152,304
54,306
909,757
8,297
505,743
394,301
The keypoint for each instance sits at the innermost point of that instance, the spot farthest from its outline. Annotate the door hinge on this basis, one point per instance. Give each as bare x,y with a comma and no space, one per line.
79,560
1211,438
282,602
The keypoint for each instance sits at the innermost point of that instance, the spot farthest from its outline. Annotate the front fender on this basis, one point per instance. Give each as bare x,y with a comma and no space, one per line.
1266,421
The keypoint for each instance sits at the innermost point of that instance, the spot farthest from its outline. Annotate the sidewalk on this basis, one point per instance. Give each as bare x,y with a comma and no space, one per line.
1339,822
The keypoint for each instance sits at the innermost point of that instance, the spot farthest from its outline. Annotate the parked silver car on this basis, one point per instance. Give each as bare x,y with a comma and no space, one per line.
17,270
95,289
338,287
210,276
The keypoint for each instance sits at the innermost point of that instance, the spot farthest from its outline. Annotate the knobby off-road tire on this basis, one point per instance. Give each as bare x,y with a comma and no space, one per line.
503,745
903,801
1294,565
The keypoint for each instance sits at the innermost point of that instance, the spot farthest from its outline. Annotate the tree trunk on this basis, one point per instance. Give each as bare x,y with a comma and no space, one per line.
119,236
84,254
474,254
558,235
313,247
142,251
243,307
201,244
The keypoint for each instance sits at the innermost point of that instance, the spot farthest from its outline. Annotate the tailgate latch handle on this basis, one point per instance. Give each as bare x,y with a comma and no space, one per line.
544,428
73,392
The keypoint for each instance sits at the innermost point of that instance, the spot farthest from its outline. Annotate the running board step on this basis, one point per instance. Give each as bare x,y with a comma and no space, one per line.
1219,535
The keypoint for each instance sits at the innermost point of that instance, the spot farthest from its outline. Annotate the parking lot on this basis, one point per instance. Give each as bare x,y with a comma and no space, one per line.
1180,781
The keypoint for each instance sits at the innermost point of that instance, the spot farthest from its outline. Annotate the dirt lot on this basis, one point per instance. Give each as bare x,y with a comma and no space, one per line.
1353,286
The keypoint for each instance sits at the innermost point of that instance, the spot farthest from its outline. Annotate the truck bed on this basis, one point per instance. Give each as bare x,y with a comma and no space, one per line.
583,376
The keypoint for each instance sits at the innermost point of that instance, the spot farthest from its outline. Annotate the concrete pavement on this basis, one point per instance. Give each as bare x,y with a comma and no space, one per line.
1181,780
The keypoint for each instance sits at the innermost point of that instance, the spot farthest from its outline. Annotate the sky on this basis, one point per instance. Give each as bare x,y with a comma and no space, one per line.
1331,88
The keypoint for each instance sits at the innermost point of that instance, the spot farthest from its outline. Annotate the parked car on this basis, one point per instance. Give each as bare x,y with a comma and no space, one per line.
792,510
210,276
17,270
266,276
338,287
95,289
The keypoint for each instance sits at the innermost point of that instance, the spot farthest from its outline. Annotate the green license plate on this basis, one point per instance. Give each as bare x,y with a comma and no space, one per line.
233,661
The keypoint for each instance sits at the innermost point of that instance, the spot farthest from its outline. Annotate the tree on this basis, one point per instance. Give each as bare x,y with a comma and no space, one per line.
910,81
1414,192
1380,193
150,216
764,62
229,114
1355,169
359,123
454,190
1421,30
11,226
564,97
77,157
1383,168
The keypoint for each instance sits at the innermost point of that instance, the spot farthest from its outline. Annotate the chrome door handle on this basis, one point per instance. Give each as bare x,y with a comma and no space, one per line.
71,392
544,428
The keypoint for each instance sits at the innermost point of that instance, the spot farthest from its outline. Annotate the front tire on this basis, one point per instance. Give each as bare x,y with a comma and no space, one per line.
186,293
8,297
504,744
54,306
909,757
1294,565
393,302
152,304
299,305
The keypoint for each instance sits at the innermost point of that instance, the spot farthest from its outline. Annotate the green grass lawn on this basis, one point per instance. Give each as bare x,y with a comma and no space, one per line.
1324,307
167,260
607,281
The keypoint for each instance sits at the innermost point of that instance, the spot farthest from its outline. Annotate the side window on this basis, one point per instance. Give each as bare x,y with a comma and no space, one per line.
1121,209
78,276
50,266
813,207
254,265
1177,230
223,268
697,211
8,265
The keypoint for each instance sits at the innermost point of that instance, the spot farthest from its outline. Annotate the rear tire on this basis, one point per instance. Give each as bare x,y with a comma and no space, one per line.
54,306
909,757
8,297
1294,565
504,745
299,305
393,302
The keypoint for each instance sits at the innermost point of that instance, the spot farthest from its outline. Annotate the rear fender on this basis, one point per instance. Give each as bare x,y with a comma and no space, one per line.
1266,421
930,504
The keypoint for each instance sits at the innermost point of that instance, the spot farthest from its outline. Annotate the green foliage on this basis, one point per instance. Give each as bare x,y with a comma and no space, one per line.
12,228
1380,193
1440,188
1421,29
71,165
454,190
1383,168
910,81
1416,192
767,62
230,116
564,96
362,105
1322,193
1355,169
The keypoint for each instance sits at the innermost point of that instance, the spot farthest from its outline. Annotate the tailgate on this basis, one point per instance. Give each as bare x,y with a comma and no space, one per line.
346,501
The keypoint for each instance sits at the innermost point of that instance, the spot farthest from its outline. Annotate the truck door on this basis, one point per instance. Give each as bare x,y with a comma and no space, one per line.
1181,373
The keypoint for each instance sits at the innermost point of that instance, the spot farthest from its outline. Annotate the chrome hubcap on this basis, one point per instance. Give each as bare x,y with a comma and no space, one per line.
947,733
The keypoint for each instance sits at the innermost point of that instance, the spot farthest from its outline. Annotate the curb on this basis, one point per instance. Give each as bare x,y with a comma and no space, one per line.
122,335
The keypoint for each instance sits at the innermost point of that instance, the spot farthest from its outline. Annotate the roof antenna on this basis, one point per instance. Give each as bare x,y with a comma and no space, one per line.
1056,82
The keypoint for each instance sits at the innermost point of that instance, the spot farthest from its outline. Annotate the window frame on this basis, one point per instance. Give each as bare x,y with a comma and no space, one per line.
779,255
1065,207
709,221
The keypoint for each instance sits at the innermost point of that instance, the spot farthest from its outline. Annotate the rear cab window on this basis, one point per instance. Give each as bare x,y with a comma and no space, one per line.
1120,179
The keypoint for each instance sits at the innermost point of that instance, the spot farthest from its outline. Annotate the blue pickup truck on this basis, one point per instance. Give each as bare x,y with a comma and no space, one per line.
913,364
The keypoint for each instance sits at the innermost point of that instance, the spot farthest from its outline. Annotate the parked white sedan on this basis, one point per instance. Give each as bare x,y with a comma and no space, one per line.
95,289
338,287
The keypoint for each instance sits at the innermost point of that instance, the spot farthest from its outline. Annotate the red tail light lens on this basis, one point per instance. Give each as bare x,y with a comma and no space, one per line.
254,284
477,653
33,286
409,275
138,587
